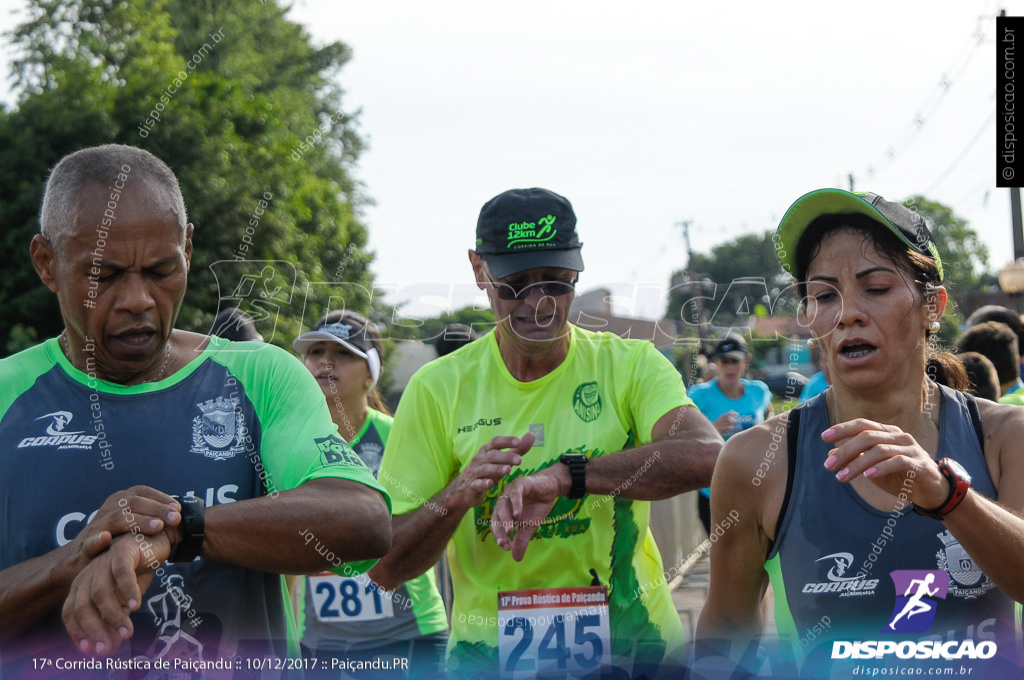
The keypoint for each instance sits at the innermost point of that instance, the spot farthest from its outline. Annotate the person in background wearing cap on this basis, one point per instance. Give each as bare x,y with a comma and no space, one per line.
353,618
531,454
883,479
731,402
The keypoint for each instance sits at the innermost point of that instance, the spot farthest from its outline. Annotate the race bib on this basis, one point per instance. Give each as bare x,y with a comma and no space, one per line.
553,630
336,598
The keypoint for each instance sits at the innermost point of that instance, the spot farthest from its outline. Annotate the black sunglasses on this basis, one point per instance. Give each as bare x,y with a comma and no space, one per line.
519,291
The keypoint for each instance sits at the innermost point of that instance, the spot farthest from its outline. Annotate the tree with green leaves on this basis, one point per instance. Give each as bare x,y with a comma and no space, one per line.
480,320
964,255
244,109
736,276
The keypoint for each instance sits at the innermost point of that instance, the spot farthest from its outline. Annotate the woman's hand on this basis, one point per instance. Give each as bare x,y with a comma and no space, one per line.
889,457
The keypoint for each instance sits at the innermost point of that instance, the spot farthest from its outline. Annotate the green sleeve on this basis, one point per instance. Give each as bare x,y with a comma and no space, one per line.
298,439
418,459
18,373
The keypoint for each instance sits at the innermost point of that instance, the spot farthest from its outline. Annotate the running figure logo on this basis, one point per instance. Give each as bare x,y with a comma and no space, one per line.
914,611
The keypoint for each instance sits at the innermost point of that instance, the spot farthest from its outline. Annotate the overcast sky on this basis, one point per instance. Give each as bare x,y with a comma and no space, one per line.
650,113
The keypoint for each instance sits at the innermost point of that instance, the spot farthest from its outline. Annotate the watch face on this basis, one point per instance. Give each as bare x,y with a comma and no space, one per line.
957,469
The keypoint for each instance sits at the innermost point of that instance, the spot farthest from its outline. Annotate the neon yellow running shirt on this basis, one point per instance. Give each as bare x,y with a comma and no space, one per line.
606,396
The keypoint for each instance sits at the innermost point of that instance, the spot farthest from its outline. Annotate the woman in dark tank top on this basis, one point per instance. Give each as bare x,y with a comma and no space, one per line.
888,521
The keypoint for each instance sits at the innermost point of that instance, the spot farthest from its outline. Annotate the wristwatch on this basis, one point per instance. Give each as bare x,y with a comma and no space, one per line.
959,482
192,529
577,463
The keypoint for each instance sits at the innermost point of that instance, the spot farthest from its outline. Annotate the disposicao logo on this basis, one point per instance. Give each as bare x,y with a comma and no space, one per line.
914,612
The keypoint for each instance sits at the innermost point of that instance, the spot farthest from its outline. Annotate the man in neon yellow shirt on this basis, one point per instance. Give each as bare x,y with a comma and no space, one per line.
544,441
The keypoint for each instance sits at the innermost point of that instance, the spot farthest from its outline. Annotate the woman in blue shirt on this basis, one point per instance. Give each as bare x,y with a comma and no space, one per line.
731,402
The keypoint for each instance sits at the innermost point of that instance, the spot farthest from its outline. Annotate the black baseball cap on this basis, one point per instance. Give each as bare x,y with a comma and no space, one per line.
732,346
909,226
524,229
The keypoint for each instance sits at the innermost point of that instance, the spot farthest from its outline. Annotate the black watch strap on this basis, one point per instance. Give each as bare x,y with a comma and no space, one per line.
577,463
192,528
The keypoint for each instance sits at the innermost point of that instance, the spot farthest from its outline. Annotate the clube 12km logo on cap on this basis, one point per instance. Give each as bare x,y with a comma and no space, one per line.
531,234
918,592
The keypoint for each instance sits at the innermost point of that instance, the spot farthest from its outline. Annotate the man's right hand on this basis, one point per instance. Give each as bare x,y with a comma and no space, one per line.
494,460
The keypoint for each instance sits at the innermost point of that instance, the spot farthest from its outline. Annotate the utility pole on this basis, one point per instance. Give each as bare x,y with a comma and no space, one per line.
693,283
685,225
1018,227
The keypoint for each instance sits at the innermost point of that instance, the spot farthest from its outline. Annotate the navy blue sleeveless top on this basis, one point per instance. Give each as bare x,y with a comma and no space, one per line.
843,572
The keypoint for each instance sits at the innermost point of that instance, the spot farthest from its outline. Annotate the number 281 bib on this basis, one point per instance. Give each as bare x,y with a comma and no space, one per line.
336,598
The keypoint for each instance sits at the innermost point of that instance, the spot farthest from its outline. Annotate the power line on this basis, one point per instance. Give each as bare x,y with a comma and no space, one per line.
987,184
974,140
935,99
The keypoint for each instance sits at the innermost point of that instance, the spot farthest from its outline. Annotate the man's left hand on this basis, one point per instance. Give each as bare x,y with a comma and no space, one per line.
524,505
105,593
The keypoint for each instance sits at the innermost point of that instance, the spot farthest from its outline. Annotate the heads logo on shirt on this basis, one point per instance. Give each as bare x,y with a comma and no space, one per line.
586,402
914,611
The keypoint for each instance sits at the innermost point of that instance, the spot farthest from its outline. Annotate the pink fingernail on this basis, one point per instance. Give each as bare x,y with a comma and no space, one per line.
133,603
123,632
870,472
830,462
84,645
843,474
155,524
829,433
100,648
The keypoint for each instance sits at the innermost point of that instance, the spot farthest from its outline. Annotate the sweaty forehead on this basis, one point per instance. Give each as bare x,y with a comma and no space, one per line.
847,249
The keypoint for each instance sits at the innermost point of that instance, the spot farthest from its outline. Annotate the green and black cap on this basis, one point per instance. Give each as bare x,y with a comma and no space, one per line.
524,229
909,226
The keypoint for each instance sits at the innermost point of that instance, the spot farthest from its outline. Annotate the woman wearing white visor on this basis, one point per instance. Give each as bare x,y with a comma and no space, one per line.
353,618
